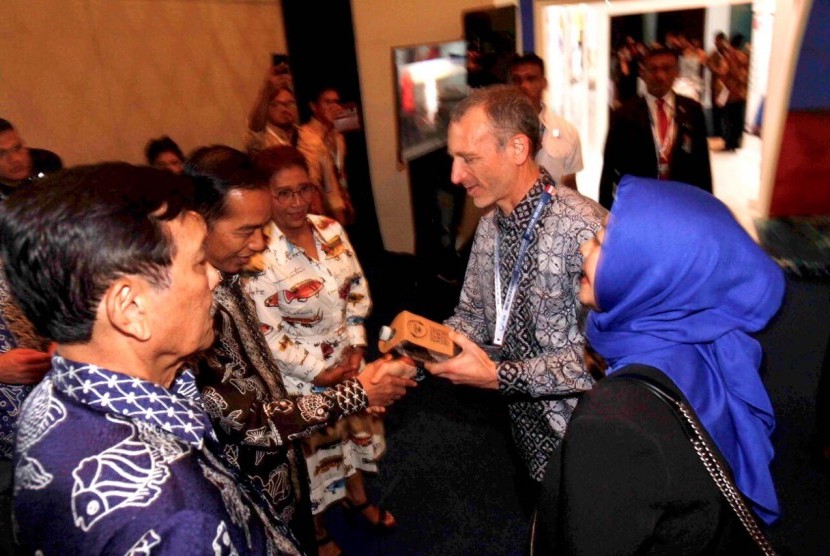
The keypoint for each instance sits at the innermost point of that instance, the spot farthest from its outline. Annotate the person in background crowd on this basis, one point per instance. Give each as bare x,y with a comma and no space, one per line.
716,63
20,164
732,70
324,148
560,150
274,117
677,311
163,153
114,451
658,135
519,295
691,62
628,58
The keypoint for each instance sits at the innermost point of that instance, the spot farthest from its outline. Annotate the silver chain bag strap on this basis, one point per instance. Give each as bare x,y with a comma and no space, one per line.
713,466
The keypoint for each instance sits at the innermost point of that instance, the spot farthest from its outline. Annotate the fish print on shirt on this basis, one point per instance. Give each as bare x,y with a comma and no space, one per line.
277,487
222,545
45,413
300,292
144,546
129,474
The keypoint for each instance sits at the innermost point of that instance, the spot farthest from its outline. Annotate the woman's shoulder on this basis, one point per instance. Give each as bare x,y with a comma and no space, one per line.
622,396
326,226
577,209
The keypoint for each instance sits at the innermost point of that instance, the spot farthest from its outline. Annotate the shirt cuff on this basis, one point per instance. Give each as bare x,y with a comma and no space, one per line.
349,396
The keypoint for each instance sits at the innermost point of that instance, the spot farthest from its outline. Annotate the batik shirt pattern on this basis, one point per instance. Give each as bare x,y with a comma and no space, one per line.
109,463
255,419
310,310
15,332
541,369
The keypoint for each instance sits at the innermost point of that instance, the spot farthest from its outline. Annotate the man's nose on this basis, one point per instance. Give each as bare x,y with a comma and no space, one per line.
214,277
18,155
257,242
459,170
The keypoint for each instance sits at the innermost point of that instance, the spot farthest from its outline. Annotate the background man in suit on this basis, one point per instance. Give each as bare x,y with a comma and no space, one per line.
658,135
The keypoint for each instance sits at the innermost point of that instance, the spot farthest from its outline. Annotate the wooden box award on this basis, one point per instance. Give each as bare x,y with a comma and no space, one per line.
417,337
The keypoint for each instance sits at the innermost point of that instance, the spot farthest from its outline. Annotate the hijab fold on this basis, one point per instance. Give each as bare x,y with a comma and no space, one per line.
681,287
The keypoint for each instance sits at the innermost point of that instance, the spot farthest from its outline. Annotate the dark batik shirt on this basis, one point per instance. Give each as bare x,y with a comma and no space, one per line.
541,370
255,419
109,463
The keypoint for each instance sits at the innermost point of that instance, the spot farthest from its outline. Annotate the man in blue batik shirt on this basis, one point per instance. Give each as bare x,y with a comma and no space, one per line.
115,453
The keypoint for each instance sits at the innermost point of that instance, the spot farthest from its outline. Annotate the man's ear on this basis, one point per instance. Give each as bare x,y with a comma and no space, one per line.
518,147
126,306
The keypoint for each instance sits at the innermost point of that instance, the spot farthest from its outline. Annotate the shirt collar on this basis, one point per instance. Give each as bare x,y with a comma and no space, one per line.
177,410
282,250
668,98
522,213
285,137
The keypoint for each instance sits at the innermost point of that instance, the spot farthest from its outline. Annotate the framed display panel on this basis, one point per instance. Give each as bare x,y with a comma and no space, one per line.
429,80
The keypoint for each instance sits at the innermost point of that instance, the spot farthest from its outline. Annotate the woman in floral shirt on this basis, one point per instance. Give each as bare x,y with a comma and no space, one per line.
312,299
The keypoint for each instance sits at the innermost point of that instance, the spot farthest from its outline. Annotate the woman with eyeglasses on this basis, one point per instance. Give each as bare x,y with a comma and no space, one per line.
312,299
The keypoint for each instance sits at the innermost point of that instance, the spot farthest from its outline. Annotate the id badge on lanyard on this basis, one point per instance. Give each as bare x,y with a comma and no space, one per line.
503,308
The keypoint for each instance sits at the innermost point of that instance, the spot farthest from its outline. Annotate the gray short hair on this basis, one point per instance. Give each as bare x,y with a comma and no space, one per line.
508,112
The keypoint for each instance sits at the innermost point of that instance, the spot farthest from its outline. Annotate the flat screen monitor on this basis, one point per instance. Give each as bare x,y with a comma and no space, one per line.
429,80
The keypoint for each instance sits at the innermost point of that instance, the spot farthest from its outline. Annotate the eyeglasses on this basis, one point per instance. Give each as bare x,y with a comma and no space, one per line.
285,196
289,104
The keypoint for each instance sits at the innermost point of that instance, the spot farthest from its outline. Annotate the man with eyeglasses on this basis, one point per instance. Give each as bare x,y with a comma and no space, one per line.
257,423
273,118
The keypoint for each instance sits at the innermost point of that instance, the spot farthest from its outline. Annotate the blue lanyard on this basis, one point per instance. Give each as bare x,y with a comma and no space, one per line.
503,309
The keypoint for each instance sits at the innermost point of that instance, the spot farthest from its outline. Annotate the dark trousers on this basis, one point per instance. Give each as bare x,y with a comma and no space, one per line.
717,115
823,402
7,545
732,124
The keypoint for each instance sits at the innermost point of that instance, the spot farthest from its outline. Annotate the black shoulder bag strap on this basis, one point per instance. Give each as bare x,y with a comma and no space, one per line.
700,443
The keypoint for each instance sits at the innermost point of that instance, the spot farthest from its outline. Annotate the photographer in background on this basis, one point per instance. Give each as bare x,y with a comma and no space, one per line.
274,117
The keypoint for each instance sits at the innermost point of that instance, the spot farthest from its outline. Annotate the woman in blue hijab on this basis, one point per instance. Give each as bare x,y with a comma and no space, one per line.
676,289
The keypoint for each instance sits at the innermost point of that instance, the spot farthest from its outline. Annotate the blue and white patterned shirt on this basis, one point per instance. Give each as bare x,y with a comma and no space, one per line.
109,463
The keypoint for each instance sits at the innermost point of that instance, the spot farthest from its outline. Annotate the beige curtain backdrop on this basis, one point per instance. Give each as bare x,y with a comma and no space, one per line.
93,80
